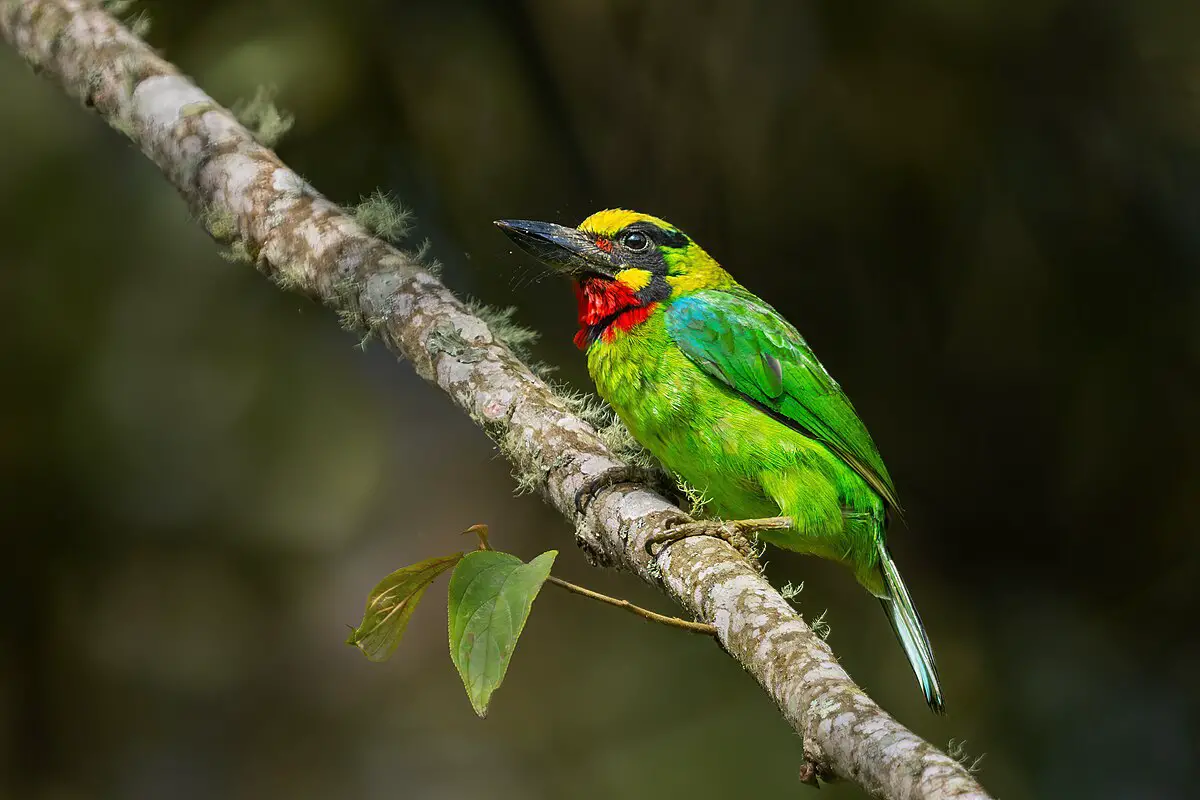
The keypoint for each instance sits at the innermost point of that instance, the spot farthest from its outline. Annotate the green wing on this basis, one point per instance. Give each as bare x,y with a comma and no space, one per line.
743,342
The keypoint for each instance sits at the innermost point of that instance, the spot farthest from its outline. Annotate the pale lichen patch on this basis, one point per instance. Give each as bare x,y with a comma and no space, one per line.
496,408
844,719
234,183
161,99
284,181
825,727
901,748
781,628
472,329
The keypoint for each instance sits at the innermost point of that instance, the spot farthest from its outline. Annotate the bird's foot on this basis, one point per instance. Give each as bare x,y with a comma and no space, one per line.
736,533
613,476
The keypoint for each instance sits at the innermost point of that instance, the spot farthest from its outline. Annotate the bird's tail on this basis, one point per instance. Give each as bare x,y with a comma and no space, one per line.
909,630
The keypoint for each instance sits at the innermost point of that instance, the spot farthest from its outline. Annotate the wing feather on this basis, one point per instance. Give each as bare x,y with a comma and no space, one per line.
741,341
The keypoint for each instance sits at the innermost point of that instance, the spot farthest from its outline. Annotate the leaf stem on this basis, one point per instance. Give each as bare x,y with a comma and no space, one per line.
674,622
480,530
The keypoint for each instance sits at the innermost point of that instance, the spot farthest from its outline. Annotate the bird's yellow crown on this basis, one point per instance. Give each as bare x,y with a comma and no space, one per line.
689,267
610,221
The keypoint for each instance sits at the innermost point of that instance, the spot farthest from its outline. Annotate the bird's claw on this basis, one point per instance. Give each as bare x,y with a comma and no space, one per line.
736,533
715,528
612,477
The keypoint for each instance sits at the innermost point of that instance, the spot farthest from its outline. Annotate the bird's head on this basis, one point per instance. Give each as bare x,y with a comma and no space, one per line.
624,263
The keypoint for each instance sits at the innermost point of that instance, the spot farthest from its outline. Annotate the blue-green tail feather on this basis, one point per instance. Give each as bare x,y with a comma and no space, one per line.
909,630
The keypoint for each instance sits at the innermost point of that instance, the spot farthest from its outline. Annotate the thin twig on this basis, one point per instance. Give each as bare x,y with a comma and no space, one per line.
674,622
481,530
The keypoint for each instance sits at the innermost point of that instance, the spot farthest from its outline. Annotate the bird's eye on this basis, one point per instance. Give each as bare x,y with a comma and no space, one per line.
635,241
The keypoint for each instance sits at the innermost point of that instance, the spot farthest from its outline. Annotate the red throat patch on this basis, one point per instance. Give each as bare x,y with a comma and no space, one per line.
610,305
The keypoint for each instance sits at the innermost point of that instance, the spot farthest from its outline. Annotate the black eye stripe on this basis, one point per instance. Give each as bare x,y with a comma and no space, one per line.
647,255
675,239
668,237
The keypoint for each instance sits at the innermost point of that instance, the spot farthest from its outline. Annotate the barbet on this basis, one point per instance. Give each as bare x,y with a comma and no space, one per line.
726,393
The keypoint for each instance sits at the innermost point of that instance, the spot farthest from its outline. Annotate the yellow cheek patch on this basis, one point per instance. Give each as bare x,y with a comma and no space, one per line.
635,279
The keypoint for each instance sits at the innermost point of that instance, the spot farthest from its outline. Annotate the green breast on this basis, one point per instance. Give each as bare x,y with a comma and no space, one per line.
652,386
694,426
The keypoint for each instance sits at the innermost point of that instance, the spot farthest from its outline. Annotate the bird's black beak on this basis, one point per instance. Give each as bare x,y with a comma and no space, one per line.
567,250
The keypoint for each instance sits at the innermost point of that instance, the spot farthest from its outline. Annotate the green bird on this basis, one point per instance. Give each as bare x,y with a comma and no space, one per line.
724,392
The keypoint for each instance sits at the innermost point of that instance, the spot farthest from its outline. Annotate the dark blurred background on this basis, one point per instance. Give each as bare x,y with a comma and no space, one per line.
984,216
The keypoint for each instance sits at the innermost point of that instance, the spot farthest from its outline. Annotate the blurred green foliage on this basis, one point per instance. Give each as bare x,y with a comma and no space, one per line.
985,217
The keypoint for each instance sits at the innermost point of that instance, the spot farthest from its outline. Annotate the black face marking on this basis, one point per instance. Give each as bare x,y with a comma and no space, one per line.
674,238
657,289
638,245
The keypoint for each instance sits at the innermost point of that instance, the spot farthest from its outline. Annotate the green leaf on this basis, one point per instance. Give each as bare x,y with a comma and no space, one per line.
490,597
391,604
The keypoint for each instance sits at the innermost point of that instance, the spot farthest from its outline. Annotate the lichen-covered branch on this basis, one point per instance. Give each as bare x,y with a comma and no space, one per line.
246,196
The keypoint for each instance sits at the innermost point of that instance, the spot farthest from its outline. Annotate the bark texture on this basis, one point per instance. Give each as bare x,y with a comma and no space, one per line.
308,244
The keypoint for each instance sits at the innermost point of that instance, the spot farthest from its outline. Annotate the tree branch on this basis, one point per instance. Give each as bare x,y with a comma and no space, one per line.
306,243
